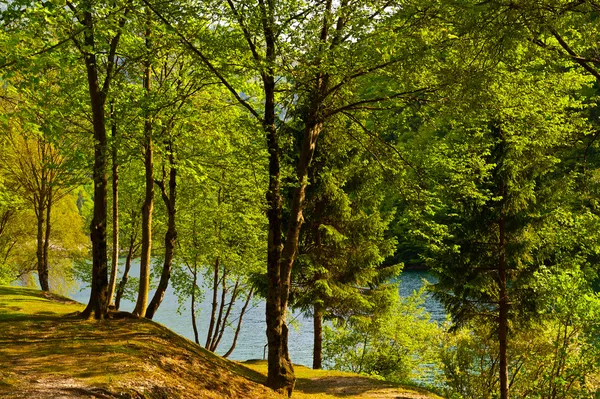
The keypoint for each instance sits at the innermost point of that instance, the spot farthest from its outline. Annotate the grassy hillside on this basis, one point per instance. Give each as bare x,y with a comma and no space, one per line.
45,353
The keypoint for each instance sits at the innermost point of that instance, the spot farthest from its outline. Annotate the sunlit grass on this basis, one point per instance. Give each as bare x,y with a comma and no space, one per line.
27,303
43,345
332,384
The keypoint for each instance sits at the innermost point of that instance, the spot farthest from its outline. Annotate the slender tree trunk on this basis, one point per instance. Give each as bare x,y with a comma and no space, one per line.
239,324
41,214
220,313
115,210
503,314
194,326
213,311
170,237
234,295
45,257
318,337
148,207
125,278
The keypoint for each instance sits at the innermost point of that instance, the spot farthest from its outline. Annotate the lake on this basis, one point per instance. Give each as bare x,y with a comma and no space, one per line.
252,339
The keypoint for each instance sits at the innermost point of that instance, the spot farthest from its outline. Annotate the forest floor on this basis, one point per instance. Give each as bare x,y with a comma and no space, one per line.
46,352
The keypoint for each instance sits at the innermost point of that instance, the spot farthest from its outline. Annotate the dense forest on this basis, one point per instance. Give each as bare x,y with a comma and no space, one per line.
305,152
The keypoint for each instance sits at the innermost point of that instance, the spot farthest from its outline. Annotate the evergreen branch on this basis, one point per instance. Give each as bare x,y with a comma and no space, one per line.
386,144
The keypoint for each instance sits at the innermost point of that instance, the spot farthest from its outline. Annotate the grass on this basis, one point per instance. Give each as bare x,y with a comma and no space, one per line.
46,352
331,384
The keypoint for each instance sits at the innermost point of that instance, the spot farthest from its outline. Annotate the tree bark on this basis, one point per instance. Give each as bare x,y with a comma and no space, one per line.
239,324
280,375
194,326
170,236
98,303
503,314
148,206
318,337
128,260
115,210
45,257
213,311
40,216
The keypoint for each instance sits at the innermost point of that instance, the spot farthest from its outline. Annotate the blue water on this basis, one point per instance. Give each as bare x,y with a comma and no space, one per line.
252,339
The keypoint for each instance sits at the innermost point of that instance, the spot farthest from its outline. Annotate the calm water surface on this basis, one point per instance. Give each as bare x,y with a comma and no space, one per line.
252,339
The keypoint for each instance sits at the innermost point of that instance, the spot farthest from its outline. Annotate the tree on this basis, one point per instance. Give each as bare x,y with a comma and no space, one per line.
148,205
221,218
340,263
399,343
86,13
322,74
496,198
33,161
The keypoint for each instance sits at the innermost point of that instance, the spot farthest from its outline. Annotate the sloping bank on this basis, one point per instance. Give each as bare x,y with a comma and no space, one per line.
46,354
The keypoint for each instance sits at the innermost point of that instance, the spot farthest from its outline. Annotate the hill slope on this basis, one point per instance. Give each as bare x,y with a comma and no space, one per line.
46,354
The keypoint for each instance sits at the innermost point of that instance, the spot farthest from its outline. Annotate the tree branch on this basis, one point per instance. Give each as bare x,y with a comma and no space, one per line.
46,49
358,104
244,30
205,60
580,60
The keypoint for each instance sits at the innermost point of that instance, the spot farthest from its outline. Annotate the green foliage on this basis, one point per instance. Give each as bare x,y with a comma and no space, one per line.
502,162
345,239
556,357
440,122
400,345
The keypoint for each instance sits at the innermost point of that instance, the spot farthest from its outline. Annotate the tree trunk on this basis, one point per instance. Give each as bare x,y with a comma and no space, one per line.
213,311
40,215
281,372
125,277
280,375
45,257
98,303
148,207
318,337
194,326
220,314
170,237
239,324
503,314
115,210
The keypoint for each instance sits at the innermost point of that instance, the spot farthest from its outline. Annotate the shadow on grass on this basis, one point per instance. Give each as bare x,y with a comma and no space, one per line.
339,386
20,291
